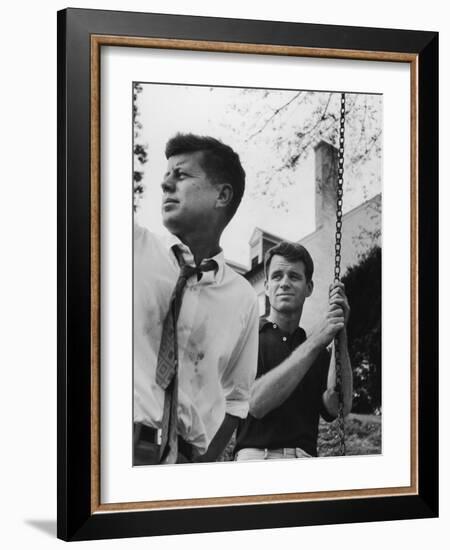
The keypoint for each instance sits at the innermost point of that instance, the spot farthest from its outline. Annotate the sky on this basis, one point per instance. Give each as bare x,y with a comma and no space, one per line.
285,208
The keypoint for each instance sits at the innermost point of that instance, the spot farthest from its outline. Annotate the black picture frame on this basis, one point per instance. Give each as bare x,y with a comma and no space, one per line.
78,515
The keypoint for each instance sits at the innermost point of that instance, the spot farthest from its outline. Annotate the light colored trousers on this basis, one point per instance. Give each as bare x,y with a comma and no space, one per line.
271,454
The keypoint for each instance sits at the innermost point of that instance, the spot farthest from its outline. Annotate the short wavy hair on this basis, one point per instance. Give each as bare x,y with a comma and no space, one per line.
220,162
293,252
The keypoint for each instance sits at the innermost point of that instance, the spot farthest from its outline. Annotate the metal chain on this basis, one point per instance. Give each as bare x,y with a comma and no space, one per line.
337,276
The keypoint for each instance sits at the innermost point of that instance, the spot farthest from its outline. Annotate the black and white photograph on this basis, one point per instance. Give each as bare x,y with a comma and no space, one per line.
257,250
222,310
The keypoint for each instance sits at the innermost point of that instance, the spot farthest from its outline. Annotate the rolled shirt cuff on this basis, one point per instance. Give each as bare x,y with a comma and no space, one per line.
237,408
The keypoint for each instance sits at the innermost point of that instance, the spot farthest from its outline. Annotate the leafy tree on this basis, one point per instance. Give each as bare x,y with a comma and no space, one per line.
363,288
293,122
140,155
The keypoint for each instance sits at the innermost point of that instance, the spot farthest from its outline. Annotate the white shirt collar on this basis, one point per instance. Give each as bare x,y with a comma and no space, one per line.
172,240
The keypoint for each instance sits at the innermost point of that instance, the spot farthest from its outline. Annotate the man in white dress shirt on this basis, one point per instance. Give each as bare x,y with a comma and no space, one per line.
217,327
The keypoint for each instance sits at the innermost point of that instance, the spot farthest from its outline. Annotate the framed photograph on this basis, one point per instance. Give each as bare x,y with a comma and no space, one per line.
247,274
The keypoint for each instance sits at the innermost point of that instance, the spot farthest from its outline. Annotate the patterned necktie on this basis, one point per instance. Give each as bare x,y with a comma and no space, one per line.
167,366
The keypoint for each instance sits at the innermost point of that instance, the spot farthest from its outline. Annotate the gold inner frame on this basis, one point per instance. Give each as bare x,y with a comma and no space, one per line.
97,41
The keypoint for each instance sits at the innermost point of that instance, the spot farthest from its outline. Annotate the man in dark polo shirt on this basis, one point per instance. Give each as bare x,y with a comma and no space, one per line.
296,376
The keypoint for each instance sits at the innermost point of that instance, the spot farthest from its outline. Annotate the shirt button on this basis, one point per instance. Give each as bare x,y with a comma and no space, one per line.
274,325
284,338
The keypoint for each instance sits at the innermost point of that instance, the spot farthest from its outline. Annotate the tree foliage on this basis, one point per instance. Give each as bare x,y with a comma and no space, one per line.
363,288
140,154
291,123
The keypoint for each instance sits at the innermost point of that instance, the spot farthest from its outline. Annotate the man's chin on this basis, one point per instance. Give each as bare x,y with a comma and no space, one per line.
287,306
170,223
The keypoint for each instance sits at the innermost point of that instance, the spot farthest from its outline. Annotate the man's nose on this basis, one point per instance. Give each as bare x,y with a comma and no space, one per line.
285,281
168,184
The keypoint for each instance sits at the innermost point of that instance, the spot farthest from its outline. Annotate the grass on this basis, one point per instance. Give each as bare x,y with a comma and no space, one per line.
362,435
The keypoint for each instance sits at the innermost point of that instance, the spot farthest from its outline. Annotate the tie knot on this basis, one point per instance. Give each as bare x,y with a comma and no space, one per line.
207,265
187,271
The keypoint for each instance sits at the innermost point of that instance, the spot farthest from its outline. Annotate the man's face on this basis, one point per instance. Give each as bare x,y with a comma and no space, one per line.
189,197
286,285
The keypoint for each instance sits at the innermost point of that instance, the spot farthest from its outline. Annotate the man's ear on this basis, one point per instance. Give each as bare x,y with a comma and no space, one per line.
266,287
225,195
310,288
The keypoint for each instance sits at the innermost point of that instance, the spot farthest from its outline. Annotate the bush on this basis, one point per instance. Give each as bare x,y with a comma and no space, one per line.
363,288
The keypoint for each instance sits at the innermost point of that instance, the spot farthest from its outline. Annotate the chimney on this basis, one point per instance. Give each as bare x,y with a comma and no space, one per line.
326,182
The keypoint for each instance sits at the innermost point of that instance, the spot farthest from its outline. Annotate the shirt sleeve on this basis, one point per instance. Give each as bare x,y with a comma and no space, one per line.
237,379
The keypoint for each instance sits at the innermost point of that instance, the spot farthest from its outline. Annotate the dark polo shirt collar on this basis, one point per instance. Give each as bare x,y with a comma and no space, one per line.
294,339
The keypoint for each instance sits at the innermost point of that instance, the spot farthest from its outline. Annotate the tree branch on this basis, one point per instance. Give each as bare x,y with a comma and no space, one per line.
274,114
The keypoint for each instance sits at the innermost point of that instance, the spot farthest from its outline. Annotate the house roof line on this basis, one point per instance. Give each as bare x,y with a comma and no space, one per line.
348,214
267,234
